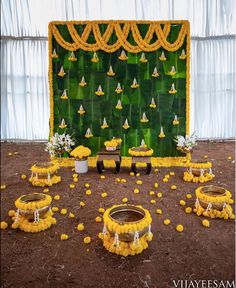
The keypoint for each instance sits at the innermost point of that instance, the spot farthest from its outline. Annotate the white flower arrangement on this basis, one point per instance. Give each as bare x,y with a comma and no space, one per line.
185,144
59,144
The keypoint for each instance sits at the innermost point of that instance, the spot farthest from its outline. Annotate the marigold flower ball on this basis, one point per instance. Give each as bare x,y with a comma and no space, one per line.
11,213
229,158
165,180
23,176
182,202
98,219
71,215
205,156
46,190
75,175
172,173
86,185
173,187
9,154
155,170
166,221
64,237
180,228
104,194
159,194
206,223
75,180
123,180
101,210
136,191
188,196
117,179
125,200
137,174
72,186
55,209
81,203
167,176
3,187
4,225
139,182
159,211
151,193
188,210
63,211
131,173
155,185
80,227
152,201
102,177
87,240
88,192
57,197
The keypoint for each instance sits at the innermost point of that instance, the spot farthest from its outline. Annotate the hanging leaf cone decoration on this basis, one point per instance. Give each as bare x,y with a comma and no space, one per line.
95,58
118,89
64,95
143,58
134,84
61,73
155,74
123,56
172,89
88,133
111,72
144,118
54,54
162,57
99,92
153,104
143,143
183,55
104,124
126,124
176,121
72,57
172,71
82,83
63,124
81,110
162,134
119,105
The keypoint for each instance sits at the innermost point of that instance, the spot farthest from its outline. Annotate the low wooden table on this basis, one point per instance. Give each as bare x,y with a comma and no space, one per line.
108,155
141,159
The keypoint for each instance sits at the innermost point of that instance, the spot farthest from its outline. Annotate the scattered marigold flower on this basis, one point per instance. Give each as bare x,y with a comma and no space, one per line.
124,200
123,180
189,196
165,179
139,182
104,194
55,209
229,158
166,221
4,225
80,227
102,177
86,185
63,211
205,156
11,213
57,197
73,169
72,186
101,210
81,203
182,202
3,187
151,193
131,173
155,170
71,215
136,191
88,192
23,176
159,194
167,176
9,154
117,179
75,175
98,219
87,240
46,190
180,228
137,174
156,185
75,180
159,211
188,210
173,187
206,223
16,152
152,201
172,173
64,237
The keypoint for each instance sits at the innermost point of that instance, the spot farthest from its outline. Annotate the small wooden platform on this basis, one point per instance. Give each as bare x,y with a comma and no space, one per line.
108,155
141,159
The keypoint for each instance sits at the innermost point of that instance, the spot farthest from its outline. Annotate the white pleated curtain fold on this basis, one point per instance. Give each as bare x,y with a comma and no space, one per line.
24,63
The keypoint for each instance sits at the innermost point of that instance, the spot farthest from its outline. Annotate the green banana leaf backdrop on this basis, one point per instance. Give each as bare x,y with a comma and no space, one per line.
134,101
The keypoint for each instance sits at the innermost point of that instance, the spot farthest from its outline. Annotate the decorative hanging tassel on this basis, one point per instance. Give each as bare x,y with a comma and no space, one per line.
143,143
209,207
54,54
119,105
136,238
153,104
183,55
197,203
81,110
63,124
123,56
72,57
104,230
82,83
99,91
134,84
155,74
88,133
143,58
162,134
126,124
49,177
36,216
144,118
162,57
172,71
118,89
95,58
104,124
210,171
175,121
111,72
172,89
64,95
116,240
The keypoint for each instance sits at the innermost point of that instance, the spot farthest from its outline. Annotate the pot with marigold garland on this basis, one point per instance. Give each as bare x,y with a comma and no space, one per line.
81,154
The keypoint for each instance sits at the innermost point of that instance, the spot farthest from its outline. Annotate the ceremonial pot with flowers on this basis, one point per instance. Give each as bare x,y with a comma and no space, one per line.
81,154
111,145
141,151
127,228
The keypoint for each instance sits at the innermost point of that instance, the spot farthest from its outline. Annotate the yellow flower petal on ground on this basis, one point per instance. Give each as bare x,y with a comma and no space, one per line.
46,190
4,225
139,182
11,213
3,186
180,228
165,179
182,202
98,219
88,192
136,191
131,173
23,176
125,200
188,196
16,152
63,211
86,185
173,187
87,240
117,180
9,154
167,176
166,221
123,180
188,210
159,194
71,215
137,174
81,203
72,186
75,175
151,193
206,223
155,170
55,209
102,177
159,211
104,194
75,180
153,201
64,237
80,227
229,158
205,156
172,173
155,185
57,197
101,210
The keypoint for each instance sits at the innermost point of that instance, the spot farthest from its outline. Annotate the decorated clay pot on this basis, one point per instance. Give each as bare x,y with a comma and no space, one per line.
81,165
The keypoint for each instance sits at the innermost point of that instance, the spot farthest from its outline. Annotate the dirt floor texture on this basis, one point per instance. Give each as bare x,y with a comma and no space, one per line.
43,260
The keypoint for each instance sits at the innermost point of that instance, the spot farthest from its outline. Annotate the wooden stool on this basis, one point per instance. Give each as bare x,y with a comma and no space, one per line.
141,159
108,155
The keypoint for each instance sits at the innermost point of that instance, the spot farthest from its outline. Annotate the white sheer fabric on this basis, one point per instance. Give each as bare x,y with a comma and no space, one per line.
24,89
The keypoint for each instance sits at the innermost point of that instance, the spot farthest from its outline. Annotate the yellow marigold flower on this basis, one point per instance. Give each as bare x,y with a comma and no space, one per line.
71,215
188,210
139,182
87,240
101,210
88,192
117,179
102,177
23,176
151,193
104,194
3,187
166,221
173,187
55,209
136,191
86,185
123,180
81,203
73,169
229,158
172,173
159,194
206,223
98,219
80,227
72,186
180,228
4,225
9,154
63,211
156,185
188,196
75,180
159,211
182,202
11,213
57,197
46,190
205,156
155,170
131,173
16,153
153,201
75,175
137,174
165,179
64,237
167,176
125,200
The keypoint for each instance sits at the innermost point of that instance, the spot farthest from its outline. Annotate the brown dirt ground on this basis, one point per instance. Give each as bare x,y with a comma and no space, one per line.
43,260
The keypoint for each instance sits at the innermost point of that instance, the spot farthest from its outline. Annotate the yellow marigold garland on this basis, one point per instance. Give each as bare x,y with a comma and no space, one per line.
32,205
45,182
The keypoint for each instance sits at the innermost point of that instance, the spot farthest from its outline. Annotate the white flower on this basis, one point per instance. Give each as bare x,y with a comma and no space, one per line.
59,144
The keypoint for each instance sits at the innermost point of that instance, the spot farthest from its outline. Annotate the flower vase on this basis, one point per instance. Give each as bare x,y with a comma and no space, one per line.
81,165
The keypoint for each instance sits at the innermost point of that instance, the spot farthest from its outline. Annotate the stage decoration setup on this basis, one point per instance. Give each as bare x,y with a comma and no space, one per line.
146,63
33,213
81,154
200,171
44,174
127,229
213,202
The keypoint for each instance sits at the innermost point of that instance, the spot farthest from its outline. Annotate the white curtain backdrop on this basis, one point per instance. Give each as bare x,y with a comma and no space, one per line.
24,58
